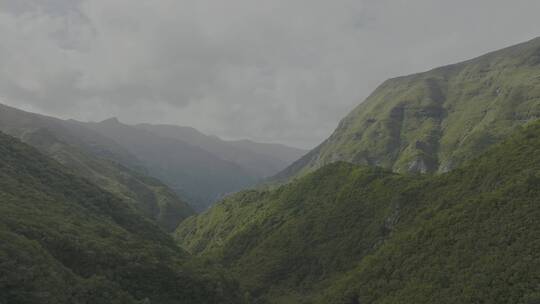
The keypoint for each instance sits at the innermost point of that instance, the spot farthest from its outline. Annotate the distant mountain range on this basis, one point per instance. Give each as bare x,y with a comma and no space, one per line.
100,160
200,168
126,160
258,159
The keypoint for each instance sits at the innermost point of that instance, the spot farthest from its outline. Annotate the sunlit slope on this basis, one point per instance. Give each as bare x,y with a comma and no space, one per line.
433,121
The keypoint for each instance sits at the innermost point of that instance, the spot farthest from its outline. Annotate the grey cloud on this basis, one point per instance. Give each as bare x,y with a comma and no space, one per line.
281,70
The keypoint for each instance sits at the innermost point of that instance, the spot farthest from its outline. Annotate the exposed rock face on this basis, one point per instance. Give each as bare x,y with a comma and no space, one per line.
433,121
418,166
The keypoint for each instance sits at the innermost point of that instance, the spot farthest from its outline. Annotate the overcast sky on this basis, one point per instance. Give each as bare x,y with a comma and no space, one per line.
270,70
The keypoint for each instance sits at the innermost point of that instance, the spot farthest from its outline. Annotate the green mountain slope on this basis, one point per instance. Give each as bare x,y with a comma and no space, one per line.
259,159
100,160
433,121
353,234
64,240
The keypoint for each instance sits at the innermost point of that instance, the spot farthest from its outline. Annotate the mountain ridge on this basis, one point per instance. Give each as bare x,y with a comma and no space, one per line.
260,159
425,193
192,172
98,159
431,121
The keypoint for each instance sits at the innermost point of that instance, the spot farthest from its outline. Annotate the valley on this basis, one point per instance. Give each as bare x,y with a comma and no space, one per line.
427,192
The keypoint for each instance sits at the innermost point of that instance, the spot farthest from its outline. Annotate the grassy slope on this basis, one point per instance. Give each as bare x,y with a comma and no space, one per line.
471,236
64,240
351,234
433,121
98,159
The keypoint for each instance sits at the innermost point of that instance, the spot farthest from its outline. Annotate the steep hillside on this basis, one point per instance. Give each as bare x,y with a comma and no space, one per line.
353,234
64,240
433,121
259,159
192,172
97,158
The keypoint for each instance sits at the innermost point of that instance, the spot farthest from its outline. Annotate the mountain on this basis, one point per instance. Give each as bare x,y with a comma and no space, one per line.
130,161
65,240
99,159
259,159
357,234
433,121
193,173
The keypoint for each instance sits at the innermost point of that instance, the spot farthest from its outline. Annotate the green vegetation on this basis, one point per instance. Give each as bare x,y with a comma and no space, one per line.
359,224
100,160
147,194
64,240
433,121
352,234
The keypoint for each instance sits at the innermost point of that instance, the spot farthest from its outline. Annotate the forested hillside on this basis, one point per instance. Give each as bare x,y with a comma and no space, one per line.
354,234
64,240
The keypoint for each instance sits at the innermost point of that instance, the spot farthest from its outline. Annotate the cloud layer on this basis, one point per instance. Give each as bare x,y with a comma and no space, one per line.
281,70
